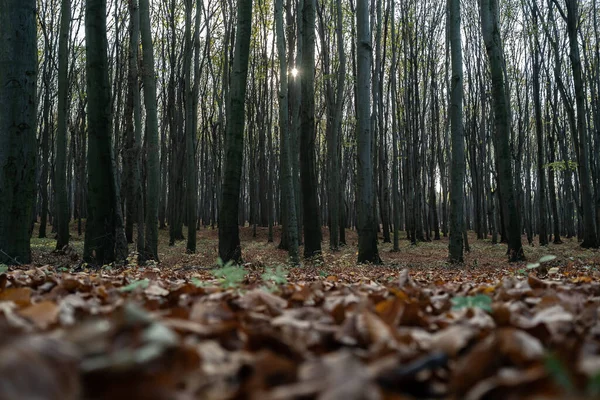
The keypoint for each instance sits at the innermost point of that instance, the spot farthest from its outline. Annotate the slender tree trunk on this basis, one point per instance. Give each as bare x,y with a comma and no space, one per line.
367,232
190,131
136,213
491,36
60,173
456,244
286,173
590,238
153,173
539,131
229,236
395,133
308,167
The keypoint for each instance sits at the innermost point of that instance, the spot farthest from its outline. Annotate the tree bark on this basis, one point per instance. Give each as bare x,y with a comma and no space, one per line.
590,238
229,237
60,173
286,173
367,228
148,76
18,72
308,167
457,195
102,213
491,36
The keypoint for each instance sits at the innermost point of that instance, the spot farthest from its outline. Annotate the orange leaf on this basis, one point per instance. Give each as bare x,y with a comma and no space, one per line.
20,296
42,314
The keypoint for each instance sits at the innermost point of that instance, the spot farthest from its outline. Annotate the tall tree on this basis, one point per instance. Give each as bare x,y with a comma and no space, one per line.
308,135
103,215
491,36
135,206
286,173
367,228
148,76
60,173
590,236
395,152
18,73
190,131
457,195
229,235
539,132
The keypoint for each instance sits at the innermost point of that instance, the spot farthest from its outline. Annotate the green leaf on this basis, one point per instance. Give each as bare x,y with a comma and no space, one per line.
3,268
593,385
230,275
547,258
558,371
479,301
276,275
533,265
135,284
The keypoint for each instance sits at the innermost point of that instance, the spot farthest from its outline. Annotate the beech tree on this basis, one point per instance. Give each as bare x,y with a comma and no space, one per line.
229,236
18,73
308,167
456,245
491,36
367,230
288,198
104,235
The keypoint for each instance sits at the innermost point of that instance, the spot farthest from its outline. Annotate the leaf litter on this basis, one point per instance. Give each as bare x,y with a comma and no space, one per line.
328,331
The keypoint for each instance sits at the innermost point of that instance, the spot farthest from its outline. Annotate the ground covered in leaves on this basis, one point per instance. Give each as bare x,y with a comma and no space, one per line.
412,328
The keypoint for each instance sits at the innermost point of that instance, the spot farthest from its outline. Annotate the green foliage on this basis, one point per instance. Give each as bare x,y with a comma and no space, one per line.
557,370
275,276
542,260
143,283
478,301
198,283
229,274
593,386
3,268
562,165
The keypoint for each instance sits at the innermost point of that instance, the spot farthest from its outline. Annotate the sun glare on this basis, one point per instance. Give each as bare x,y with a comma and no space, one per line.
294,72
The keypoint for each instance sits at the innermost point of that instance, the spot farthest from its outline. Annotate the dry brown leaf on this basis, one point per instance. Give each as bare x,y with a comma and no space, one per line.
20,296
42,314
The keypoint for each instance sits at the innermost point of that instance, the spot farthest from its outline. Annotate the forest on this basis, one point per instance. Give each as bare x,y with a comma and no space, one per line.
329,199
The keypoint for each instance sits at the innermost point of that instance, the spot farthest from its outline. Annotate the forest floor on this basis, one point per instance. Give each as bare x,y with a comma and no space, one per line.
414,327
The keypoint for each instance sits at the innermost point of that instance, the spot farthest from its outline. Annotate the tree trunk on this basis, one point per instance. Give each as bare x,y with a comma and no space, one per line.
60,173
491,36
308,167
18,147
590,238
367,233
102,214
153,191
229,237
395,134
286,174
539,131
457,196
